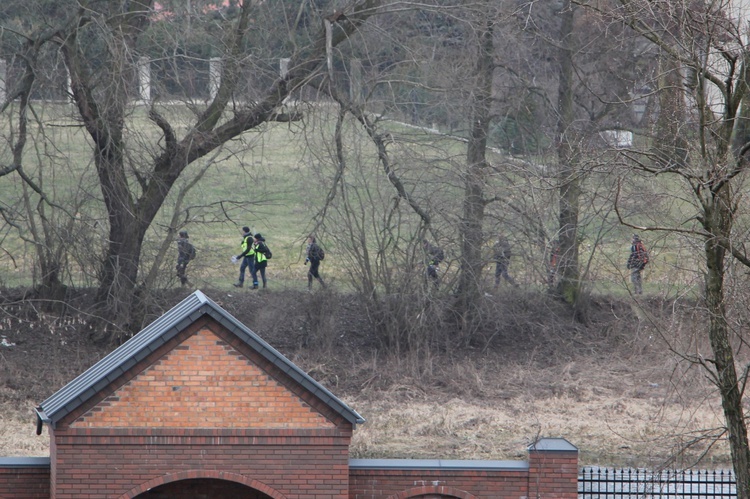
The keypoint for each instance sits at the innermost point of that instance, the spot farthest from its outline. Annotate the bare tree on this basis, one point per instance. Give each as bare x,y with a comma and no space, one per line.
102,46
568,157
45,214
705,64
477,167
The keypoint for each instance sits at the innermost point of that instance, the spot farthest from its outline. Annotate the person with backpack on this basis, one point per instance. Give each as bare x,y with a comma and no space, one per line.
314,254
262,255
185,253
247,255
637,262
501,255
434,255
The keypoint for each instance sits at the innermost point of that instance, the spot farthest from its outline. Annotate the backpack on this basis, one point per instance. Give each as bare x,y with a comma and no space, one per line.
439,255
642,253
502,251
317,253
191,251
267,252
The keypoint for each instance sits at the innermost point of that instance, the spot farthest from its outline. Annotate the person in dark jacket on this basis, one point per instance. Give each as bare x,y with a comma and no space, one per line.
314,255
247,255
185,253
434,255
261,261
501,256
637,262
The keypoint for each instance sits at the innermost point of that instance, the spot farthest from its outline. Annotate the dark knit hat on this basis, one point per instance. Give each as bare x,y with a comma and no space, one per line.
183,233
246,229
258,236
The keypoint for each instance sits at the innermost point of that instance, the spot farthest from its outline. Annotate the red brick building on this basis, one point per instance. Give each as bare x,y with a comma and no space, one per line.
198,406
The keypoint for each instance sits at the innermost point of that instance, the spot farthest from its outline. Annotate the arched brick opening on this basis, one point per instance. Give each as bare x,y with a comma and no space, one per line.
160,487
433,492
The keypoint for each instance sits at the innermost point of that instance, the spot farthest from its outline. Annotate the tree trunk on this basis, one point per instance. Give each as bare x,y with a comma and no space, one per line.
569,285
474,203
718,222
670,147
117,292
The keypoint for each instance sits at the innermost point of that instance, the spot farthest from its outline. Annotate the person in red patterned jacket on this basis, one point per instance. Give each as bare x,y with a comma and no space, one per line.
637,262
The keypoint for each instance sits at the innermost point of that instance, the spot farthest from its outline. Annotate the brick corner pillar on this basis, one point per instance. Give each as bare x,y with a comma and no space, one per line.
553,469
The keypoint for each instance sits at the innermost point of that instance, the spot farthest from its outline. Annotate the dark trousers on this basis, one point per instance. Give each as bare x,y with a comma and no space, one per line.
635,277
314,273
501,270
432,274
181,270
247,261
259,268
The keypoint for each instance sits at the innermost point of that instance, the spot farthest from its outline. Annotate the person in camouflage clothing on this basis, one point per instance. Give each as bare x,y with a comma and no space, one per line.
636,263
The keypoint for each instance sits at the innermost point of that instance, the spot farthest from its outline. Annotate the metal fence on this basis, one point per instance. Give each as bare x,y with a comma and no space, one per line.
609,483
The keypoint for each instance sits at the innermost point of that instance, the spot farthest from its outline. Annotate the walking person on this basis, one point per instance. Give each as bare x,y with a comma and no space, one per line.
636,263
262,254
434,255
247,255
185,253
314,255
554,259
501,256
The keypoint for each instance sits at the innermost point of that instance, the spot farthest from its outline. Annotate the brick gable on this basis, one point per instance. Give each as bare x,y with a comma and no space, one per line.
202,383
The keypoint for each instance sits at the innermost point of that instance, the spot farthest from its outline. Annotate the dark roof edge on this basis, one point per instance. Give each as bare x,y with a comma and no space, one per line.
24,462
433,464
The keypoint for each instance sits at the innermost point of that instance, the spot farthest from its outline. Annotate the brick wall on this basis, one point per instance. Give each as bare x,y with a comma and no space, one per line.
464,484
24,478
203,382
202,403
550,473
297,464
259,464
553,472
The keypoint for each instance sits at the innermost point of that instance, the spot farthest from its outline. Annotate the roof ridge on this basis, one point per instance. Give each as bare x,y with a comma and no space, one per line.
167,326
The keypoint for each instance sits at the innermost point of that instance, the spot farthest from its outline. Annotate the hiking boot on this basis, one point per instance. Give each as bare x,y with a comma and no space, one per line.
237,284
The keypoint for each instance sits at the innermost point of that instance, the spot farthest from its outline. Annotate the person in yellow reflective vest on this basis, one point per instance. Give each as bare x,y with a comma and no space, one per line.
261,261
247,255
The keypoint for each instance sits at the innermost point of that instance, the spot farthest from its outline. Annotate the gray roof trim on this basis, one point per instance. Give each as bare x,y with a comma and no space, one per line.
166,327
552,445
435,464
24,462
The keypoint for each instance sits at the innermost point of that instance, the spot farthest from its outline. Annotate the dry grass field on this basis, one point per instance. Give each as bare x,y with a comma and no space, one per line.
610,387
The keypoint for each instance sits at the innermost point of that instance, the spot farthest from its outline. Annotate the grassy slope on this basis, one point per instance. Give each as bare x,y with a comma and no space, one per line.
276,178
